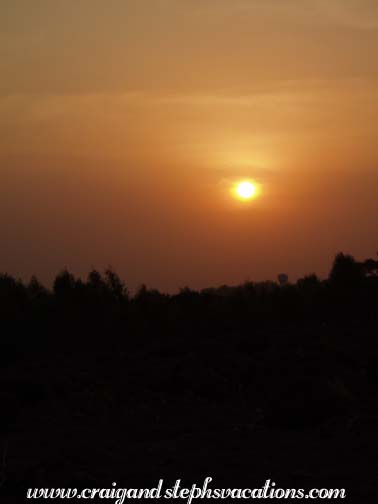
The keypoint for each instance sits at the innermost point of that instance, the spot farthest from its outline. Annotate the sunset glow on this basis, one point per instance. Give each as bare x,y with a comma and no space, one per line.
140,125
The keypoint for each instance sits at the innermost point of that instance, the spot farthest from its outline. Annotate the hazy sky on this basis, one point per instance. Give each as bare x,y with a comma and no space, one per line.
124,123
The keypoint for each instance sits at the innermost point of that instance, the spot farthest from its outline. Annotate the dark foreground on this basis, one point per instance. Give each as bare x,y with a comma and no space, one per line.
243,385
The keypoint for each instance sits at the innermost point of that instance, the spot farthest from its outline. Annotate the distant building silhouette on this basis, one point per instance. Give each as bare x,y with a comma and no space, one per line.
283,279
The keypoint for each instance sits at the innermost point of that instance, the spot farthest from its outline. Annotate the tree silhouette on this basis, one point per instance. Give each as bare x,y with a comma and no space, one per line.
346,272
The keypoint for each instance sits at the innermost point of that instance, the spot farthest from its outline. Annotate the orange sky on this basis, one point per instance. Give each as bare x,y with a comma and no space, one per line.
123,125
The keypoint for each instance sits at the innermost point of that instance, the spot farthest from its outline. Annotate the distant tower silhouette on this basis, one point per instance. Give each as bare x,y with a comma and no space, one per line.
283,279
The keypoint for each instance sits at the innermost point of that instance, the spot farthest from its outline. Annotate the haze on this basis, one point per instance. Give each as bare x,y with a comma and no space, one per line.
123,124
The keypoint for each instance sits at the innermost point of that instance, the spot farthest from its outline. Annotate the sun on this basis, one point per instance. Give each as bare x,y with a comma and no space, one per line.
245,190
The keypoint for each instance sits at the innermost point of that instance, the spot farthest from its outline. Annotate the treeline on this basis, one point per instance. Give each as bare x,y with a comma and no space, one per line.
172,372
102,302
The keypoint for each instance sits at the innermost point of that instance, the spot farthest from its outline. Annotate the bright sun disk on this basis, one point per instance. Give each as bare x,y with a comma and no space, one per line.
245,190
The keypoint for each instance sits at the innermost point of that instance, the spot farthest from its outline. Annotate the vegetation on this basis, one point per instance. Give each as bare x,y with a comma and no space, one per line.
98,384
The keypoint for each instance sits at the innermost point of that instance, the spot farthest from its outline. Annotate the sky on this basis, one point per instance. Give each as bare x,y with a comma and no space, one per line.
124,124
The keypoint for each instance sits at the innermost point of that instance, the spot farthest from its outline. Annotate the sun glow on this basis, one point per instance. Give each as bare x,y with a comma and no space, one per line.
245,190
